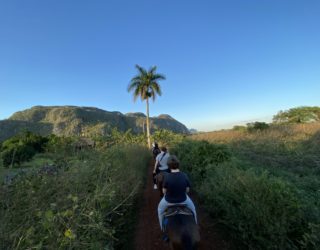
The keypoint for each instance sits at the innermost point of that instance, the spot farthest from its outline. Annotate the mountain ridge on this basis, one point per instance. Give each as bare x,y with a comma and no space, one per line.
86,121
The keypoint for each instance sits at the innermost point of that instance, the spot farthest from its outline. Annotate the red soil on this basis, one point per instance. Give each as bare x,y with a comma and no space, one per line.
148,234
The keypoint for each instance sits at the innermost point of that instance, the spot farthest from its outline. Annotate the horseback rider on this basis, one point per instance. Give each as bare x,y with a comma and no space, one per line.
161,164
155,150
175,188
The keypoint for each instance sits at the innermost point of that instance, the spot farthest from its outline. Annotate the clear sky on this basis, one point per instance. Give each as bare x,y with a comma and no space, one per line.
226,62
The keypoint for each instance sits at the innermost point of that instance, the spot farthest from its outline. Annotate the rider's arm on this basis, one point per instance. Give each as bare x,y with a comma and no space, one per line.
155,166
188,184
165,186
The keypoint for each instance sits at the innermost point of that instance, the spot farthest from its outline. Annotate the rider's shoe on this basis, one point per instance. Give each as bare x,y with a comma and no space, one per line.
155,186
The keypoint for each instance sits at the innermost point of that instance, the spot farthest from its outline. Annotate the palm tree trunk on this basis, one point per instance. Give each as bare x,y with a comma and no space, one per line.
148,124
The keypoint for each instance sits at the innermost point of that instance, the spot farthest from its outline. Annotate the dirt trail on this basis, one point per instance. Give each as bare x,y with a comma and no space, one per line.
148,235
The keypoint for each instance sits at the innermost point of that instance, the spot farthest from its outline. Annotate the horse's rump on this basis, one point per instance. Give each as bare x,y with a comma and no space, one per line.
181,227
160,179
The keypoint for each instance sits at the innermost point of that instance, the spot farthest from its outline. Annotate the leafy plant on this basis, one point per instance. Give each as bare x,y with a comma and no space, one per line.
263,186
298,115
22,148
257,126
85,206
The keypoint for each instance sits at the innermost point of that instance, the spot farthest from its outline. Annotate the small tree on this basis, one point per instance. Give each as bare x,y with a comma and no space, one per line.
145,85
22,148
298,115
257,126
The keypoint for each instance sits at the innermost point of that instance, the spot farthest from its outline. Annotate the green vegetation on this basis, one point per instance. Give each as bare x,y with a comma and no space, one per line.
167,138
72,195
21,148
251,127
261,182
298,115
263,185
84,201
82,121
145,85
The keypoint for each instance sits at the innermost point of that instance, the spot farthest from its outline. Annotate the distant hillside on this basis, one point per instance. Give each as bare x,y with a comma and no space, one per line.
87,121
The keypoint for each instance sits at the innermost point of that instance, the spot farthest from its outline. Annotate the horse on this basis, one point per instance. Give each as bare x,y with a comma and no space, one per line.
181,228
160,179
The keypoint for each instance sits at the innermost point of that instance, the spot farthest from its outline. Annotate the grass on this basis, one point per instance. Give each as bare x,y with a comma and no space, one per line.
268,191
85,206
37,162
288,133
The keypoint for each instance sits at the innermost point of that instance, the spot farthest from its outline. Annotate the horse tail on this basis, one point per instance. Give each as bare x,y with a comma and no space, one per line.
187,241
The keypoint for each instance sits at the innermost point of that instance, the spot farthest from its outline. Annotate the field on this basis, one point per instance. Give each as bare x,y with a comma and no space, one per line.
264,186
84,200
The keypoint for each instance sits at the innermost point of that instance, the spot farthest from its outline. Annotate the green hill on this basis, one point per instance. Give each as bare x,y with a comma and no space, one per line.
86,121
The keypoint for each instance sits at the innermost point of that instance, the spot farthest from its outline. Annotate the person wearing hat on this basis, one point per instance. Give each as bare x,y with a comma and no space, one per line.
175,188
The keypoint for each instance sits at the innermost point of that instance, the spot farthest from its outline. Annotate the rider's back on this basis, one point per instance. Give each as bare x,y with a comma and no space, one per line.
176,185
155,152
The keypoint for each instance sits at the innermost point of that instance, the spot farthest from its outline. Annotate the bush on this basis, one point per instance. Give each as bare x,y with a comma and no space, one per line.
85,206
166,138
298,115
22,148
239,128
17,155
263,207
262,211
257,126
197,157
60,145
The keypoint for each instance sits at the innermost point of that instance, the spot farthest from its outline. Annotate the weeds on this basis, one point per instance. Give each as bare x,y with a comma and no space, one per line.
82,207
265,188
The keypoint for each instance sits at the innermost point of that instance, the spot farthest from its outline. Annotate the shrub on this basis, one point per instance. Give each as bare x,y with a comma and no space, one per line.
198,157
85,206
166,138
298,115
263,212
239,128
22,148
257,126
255,193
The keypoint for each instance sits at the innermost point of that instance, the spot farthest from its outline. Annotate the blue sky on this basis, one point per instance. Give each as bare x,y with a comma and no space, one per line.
227,62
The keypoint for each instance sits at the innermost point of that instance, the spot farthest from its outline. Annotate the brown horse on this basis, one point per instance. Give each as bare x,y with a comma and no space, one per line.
182,230
160,179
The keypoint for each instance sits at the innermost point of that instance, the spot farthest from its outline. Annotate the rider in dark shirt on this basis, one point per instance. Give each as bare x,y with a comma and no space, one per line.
155,150
176,186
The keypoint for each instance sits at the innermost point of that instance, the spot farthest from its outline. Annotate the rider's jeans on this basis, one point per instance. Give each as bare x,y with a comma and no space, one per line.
164,204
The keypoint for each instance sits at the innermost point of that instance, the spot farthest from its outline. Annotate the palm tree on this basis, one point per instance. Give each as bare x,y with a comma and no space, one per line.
145,85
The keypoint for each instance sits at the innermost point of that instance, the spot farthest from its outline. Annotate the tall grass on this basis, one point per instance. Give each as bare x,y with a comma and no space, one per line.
289,133
267,188
86,205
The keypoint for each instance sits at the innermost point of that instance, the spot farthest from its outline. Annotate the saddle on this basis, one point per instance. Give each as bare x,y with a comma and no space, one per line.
174,209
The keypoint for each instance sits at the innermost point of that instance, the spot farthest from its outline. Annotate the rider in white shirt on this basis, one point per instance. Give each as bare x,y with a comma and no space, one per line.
161,164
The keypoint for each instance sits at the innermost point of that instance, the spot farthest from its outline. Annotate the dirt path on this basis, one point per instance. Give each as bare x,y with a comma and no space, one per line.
148,235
